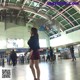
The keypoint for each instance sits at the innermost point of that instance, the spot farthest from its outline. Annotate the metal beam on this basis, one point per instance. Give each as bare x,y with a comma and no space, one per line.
77,8
72,28
62,15
26,9
39,10
22,6
57,12
24,3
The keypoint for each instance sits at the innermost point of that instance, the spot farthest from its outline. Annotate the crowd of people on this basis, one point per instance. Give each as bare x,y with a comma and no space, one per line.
48,55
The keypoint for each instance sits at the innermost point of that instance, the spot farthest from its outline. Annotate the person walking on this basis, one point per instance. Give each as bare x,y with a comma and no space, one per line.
51,54
72,53
8,59
34,53
48,55
13,57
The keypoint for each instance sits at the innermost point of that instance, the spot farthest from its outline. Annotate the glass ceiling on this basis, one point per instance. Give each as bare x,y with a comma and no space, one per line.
57,17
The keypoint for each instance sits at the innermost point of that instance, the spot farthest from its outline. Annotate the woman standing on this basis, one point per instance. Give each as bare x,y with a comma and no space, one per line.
34,53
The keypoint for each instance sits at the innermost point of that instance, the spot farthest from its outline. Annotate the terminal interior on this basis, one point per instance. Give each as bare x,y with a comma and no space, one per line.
58,27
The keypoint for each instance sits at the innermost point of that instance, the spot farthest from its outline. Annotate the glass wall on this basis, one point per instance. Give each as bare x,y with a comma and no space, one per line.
43,43
19,43
2,44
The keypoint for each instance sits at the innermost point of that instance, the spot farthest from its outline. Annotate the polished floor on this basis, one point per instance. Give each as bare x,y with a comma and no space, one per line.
58,70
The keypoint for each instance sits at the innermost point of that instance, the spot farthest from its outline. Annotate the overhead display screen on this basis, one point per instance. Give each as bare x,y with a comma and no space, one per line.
15,43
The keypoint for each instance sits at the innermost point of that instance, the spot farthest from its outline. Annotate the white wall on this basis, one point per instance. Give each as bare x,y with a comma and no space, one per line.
66,39
21,32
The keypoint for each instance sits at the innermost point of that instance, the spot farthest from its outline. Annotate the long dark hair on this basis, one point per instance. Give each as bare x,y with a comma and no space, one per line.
34,31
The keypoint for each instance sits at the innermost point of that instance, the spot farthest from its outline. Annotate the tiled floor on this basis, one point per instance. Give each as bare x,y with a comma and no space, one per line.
59,70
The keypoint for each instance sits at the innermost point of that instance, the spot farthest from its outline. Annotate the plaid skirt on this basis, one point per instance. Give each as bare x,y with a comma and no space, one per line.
35,55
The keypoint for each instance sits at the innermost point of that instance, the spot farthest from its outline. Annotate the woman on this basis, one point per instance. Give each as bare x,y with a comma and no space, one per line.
34,52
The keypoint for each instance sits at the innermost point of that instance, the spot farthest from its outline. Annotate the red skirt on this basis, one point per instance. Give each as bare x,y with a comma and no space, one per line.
35,55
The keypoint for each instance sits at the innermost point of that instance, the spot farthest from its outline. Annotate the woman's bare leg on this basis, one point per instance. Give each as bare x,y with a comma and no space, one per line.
36,62
32,68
